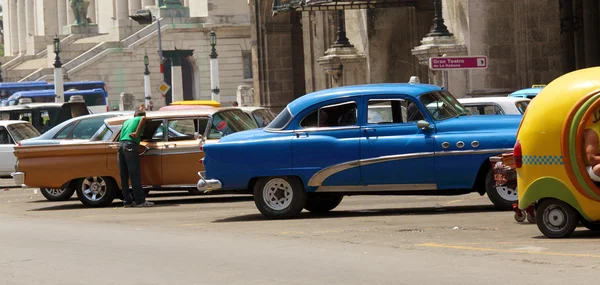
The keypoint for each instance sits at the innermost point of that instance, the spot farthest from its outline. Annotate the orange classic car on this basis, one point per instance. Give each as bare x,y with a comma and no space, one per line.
170,152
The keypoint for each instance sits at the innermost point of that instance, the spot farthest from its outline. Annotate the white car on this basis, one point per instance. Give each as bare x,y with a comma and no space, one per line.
495,105
12,132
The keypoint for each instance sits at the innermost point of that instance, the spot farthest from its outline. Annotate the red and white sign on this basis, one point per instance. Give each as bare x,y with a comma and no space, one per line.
458,62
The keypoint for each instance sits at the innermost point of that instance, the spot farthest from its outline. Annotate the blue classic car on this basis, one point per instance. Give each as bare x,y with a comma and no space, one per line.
368,139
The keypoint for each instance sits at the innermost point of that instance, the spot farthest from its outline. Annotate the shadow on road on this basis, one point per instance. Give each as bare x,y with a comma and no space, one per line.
373,213
193,199
580,233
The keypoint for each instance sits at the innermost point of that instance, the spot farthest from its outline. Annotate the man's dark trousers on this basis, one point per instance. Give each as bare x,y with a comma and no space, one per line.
129,167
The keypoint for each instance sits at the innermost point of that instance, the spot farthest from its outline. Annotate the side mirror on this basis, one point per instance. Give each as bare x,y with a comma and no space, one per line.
197,136
423,125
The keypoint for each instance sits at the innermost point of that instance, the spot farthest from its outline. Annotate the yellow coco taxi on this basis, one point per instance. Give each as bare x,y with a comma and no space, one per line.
553,171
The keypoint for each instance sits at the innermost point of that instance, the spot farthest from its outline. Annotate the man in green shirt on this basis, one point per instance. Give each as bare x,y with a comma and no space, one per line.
129,161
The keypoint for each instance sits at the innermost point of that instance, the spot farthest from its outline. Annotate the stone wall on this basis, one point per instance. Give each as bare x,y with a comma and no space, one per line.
123,71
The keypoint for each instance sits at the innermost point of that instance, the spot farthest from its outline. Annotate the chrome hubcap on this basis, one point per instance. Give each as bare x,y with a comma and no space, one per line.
93,188
278,194
555,218
55,192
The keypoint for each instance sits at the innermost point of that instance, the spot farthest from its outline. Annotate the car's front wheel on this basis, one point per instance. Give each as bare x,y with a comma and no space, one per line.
322,204
57,194
556,219
502,197
279,197
97,191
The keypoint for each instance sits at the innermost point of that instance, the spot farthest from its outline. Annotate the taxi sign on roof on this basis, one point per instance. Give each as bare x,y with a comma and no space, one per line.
163,88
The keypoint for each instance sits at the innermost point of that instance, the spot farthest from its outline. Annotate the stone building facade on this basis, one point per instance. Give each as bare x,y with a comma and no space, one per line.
527,42
111,46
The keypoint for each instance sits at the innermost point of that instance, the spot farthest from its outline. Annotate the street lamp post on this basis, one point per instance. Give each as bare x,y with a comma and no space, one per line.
214,68
147,92
59,89
438,29
145,17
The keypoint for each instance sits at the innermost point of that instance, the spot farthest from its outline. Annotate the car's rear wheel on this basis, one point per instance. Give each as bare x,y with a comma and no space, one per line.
57,194
279,197
96,191
322,204
555,218
502,197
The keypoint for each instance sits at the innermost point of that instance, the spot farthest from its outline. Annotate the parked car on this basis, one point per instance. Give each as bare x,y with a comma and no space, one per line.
77,130
324,145
495,105
528,93
11,134
262,116
170,151
44,116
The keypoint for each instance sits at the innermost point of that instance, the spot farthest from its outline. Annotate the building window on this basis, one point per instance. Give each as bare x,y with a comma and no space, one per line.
247,61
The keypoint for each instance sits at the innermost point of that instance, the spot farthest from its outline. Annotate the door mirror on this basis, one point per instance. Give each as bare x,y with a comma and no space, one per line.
423,125
197,136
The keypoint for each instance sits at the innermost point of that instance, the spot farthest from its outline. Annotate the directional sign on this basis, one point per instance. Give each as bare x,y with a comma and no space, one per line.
458,62
163,88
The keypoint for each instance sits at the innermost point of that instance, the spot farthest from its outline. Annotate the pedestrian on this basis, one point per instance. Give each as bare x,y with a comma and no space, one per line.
235,104
129,161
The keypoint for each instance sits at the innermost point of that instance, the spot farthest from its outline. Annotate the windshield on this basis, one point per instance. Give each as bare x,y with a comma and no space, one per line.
281,120
442,105
263,117
229,122
522,106
22,132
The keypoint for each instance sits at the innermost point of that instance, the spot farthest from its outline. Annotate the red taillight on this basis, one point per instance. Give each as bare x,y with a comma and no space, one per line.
518,155
201,161
202,148
19,144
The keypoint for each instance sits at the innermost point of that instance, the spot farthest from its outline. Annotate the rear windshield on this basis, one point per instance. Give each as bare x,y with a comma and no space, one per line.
229,122
522,106
263,117
22,131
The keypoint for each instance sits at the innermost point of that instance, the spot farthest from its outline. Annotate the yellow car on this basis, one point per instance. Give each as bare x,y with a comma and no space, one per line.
555,154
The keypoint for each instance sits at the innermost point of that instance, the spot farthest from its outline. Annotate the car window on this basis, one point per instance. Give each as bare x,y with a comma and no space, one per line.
87,128
281,120
484,109
184,129
522,106
338,115
104,134
4,137
228,122
64,133
22,132
263,117
442,105
386,111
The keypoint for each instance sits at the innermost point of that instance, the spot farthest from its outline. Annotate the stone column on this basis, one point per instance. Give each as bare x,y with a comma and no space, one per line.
122,10
92,11
22,27
14,27
30,14
70,16
186,3
61,15
146,3
176,80
134,5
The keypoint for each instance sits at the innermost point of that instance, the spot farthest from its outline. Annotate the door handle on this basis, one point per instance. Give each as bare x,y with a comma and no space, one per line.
113,146
369,130
171,145
298,134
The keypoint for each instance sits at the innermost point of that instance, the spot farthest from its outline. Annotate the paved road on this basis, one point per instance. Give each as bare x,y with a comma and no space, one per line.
223,240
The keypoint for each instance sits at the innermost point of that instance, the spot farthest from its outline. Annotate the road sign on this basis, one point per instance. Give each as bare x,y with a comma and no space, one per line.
163,88
458,62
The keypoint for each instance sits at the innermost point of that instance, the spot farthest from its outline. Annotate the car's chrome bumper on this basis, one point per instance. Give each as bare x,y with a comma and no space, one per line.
208,185
18,178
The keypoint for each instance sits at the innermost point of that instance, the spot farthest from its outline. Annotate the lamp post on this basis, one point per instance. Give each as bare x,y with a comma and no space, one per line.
214,68
59,89
147,92
342,40
438,29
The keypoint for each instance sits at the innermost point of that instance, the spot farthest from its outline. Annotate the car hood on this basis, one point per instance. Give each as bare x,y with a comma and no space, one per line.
480,123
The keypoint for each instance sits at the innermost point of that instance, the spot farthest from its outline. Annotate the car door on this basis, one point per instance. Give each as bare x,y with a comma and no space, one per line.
395,154
181,154
151,146
325,145
7,157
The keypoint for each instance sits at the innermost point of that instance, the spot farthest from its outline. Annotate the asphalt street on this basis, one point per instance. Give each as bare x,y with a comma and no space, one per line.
224,240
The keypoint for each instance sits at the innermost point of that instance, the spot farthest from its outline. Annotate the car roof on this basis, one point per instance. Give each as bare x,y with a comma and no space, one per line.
199,112
492,99
528,91
53,131
250,109
33,105
5,123
409,89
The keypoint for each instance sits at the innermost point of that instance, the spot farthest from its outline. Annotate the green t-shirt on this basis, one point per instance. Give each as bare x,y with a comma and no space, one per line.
128,128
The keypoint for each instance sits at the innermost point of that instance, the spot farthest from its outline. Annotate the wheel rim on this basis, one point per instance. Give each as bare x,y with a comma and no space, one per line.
278,194
507,193
555,218
93,188
54,192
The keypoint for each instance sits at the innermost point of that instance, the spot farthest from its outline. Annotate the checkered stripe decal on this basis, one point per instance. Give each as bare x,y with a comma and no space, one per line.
543,159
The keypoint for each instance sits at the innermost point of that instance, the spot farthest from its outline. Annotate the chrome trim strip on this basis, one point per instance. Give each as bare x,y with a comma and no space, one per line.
317,129
318,178
180,151
378,187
